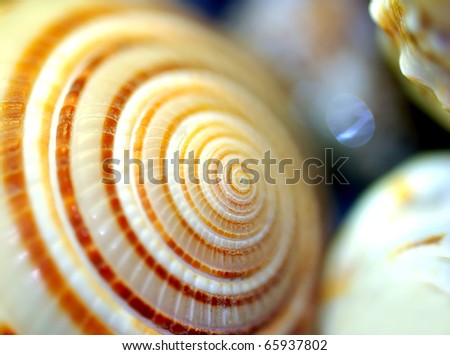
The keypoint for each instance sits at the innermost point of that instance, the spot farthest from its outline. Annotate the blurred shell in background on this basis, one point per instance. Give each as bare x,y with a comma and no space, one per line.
417,38
325,51
388,271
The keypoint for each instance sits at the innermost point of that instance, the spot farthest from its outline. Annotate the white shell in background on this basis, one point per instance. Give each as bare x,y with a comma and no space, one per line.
388,272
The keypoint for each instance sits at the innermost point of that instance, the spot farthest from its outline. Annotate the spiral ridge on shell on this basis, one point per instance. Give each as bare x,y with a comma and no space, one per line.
83,83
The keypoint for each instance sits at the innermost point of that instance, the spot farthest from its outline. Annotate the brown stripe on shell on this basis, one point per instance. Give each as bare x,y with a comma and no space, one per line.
19,202
110,126
6,330
167,136
146,203
11,147
148,208
429,241
94,255
200,192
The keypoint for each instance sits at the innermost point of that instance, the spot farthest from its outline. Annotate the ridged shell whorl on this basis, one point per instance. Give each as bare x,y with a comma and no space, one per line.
86,82
419,34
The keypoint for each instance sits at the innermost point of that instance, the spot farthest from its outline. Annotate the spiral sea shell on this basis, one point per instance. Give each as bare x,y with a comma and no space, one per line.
419,33
84,82
388,271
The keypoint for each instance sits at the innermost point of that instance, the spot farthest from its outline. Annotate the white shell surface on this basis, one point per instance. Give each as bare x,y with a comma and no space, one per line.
389,270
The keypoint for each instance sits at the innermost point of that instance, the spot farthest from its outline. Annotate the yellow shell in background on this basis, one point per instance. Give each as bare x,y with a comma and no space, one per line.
85,81
388,270
417,38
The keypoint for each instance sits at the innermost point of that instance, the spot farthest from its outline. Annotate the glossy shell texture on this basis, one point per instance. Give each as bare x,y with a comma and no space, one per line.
418,39
388,271
83,82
